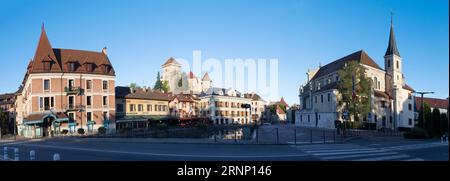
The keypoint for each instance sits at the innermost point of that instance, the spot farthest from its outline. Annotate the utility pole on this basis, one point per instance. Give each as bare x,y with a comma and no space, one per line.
422,105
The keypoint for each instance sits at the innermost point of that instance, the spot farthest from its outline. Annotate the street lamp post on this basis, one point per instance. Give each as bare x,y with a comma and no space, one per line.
422,105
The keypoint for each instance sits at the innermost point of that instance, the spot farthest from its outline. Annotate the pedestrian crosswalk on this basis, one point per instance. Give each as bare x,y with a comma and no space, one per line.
352,152
417,146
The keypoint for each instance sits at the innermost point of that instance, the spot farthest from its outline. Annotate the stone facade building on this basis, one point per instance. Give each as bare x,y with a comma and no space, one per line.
392,99
180,82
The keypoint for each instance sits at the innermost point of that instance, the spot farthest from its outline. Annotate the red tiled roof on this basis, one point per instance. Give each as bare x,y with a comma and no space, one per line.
359,56
253,96
382,94
185,98
407,87
282,102
171,60
279,110
140,93
60,58
191,75
432,102
206,76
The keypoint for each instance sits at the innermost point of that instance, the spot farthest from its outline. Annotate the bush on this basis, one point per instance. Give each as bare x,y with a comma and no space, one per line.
202,126
162,126
102,130
64,131
80,131
416,133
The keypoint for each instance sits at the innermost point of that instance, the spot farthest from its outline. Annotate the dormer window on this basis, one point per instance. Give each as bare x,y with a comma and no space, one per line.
89,67
72,66
106,68
47,66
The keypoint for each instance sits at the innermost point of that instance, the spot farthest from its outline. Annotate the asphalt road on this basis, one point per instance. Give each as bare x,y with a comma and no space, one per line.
101,150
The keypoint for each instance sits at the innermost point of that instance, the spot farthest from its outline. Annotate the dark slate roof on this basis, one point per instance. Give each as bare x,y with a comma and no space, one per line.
360,56
217,91
139,93
332,85
392,47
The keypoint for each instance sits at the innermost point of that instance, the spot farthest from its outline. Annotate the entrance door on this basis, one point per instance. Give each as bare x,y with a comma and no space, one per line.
317,118
46,126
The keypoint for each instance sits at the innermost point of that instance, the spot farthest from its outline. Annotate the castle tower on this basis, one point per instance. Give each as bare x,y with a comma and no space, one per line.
170,68
206,82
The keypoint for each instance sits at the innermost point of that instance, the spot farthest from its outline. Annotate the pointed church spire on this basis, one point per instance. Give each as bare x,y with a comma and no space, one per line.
392,47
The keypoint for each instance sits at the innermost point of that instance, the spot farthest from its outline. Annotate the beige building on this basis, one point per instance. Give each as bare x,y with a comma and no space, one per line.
136,107
392,99
257,106
65,89
184,106
223,106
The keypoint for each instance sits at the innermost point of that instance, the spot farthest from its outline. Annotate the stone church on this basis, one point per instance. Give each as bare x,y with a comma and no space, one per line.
391,99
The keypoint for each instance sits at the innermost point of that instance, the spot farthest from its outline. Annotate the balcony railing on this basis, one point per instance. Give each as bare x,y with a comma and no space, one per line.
73,90
75,107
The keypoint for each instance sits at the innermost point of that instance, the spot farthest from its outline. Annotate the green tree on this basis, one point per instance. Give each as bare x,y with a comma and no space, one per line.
355,89
133,85
444,123
428,119
3,122
165,86
158,84
436,119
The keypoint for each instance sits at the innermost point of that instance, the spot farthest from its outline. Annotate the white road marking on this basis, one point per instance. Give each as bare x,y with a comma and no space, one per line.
355,156
383,158
164,154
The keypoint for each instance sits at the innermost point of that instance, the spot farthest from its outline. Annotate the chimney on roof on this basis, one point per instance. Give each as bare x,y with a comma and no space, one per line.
104,51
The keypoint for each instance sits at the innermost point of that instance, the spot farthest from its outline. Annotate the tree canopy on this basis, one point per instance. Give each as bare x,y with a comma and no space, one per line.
355,89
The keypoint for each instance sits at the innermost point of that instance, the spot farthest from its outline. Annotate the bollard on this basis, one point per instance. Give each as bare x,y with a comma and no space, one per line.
16,154
277,136
257,139
323,136
56,157
295,136
5,153
310,136
32,155
334,137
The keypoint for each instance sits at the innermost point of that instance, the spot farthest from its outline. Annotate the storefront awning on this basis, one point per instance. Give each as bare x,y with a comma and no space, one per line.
39,118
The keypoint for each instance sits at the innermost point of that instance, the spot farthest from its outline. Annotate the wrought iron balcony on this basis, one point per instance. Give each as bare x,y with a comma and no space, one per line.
73,90
72,107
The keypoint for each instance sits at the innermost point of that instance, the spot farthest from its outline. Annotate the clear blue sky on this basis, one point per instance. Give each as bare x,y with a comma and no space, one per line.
141,35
